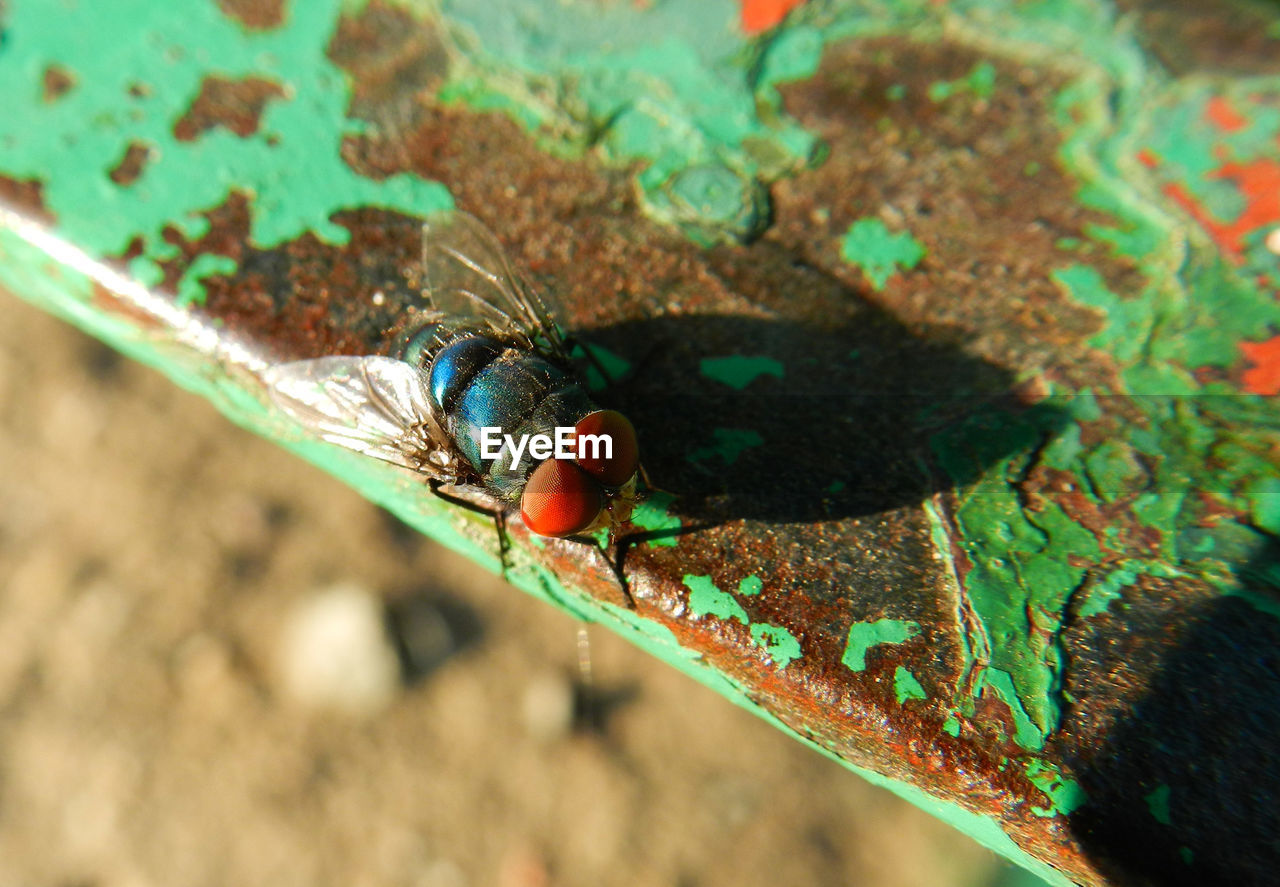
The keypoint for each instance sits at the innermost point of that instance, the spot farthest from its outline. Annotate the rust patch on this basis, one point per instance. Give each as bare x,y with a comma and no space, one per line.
131,165
1227,37
25,195
236,105
256,15
392,58
974,179
57,82
306,298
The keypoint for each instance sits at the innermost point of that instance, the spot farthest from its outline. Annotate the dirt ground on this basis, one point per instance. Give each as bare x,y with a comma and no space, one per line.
154,563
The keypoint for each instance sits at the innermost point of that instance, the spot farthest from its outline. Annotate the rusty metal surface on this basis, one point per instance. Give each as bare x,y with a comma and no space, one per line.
875,445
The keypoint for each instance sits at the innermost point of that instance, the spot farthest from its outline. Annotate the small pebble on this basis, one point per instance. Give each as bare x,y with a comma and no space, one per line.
547,707
336,654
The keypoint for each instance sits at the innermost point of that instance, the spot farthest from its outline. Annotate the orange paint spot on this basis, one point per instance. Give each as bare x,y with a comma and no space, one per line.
1264,377
1222,115
1259,181
761,15
1148,158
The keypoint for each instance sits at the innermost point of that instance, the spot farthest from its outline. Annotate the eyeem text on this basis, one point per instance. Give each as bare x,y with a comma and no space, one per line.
565,444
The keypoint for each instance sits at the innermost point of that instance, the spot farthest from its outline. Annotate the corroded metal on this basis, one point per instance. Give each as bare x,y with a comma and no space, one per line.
968,463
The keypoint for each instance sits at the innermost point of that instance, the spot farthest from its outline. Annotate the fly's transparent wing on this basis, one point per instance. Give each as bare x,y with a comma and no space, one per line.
377,406
468,277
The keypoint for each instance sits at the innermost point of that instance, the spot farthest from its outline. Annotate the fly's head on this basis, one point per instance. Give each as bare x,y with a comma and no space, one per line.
595,489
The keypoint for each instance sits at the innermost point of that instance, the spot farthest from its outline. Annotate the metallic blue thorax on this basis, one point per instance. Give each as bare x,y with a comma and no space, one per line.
479,382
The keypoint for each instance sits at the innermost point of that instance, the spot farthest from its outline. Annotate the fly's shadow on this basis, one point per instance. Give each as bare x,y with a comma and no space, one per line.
805,419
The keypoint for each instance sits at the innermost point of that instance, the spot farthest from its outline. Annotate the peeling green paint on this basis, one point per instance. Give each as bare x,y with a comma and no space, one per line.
727,444
792,54
865,635
1026,732
1065,795
291,168
905,686
653,515
190,291
951,726
1158,804
869,245
751,585
1111,587
780,644
1158,348
1026,562
980,82
739,371
705,599
679,94
1264,504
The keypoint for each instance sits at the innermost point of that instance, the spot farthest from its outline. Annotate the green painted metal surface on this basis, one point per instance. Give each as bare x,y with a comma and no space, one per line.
950,329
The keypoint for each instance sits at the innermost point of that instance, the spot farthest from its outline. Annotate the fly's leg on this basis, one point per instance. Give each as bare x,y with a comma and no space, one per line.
615,564
649,485
504,541
498,515
570,343
619,547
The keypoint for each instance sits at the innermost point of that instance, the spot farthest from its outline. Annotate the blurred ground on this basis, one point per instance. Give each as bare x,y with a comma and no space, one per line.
152,558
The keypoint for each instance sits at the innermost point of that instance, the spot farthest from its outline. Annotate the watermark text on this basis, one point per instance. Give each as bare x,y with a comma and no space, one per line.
566,443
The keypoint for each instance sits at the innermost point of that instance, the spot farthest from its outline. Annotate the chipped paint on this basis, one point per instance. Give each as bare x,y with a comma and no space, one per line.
1183,490
865,635
739,371
780,644
1110,588
1065,795
707,599
869,245
905,686
1158,804
653,515
727,444
292,160
980,83
1026,562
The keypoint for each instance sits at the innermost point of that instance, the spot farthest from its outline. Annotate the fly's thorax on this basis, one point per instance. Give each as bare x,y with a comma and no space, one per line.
419,344
479,382
454,367
562,407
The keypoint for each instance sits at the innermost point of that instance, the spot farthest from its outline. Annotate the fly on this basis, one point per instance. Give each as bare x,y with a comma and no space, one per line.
486,355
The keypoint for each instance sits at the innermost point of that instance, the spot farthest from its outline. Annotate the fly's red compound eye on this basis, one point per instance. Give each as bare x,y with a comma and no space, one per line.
617,470
560,500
